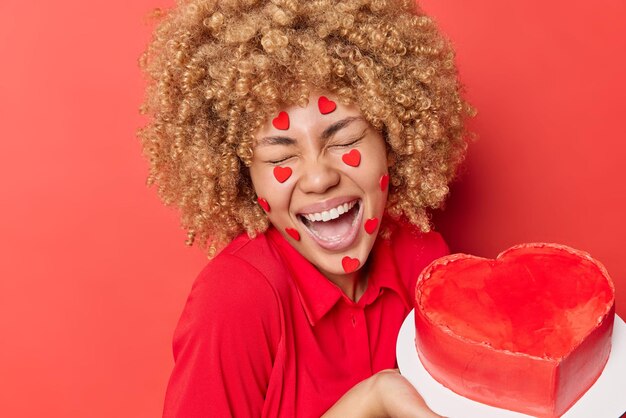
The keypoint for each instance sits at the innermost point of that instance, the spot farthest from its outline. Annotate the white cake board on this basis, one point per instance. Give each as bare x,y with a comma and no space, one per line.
605,399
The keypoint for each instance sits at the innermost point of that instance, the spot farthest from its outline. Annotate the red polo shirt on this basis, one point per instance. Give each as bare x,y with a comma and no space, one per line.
263,333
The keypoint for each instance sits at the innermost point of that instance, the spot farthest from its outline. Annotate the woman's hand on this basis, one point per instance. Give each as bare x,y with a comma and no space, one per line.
386,394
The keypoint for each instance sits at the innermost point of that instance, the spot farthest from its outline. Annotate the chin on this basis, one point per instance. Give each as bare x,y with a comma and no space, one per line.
332,263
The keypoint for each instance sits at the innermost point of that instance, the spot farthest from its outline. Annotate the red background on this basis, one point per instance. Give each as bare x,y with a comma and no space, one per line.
94,272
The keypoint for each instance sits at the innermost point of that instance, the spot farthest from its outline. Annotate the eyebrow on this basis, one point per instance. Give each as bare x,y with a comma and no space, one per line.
337,126
276,140
326,134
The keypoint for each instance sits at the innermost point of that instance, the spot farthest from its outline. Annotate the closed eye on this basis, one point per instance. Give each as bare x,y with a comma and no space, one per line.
346,145
277,162
349,144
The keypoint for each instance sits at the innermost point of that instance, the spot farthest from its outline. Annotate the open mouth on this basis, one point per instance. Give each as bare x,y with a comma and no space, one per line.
335,228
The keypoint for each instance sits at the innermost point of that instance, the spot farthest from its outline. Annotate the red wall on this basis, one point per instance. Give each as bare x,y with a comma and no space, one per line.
548,81
94,272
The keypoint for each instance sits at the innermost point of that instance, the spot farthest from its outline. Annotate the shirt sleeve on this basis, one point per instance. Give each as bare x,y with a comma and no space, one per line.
224,344
434,247
416,250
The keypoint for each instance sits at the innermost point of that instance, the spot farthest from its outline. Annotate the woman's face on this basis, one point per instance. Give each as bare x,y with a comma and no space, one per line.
320,172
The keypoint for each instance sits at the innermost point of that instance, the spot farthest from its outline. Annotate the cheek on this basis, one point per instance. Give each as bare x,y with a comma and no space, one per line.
276,194
352,158
370,171
282,174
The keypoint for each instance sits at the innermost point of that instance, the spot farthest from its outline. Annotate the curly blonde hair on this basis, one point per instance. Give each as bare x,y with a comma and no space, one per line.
218,69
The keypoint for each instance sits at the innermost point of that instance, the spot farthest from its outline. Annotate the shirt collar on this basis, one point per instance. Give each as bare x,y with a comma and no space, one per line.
318,295
385,274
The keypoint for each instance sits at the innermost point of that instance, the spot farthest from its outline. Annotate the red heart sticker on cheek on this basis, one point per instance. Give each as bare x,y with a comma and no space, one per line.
529,331
325,105
350,264
282,173
384,182
370,225
293,233
281,121
263,203
352,158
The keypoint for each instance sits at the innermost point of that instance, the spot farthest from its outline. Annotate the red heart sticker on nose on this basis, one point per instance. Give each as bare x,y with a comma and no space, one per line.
370,225
282,173
263,203
384,182
352,158
293,233
350,264
325,105
281,121
529,331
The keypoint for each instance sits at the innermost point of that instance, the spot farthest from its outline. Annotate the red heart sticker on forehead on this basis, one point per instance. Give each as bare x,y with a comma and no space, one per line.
263,203
282,173
281,121
293,233
325,105
352,158
350,264
384,182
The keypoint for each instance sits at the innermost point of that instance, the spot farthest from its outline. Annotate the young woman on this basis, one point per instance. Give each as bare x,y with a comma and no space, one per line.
303,142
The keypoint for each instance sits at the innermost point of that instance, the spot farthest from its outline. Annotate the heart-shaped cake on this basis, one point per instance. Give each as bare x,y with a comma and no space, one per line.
529,331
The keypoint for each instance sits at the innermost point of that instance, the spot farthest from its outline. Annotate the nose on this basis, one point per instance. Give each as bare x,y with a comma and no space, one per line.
318,177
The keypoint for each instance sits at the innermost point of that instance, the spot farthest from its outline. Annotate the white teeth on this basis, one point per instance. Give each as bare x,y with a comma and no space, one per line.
327,215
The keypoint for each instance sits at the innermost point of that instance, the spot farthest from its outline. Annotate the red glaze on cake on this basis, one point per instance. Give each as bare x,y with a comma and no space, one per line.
529,331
